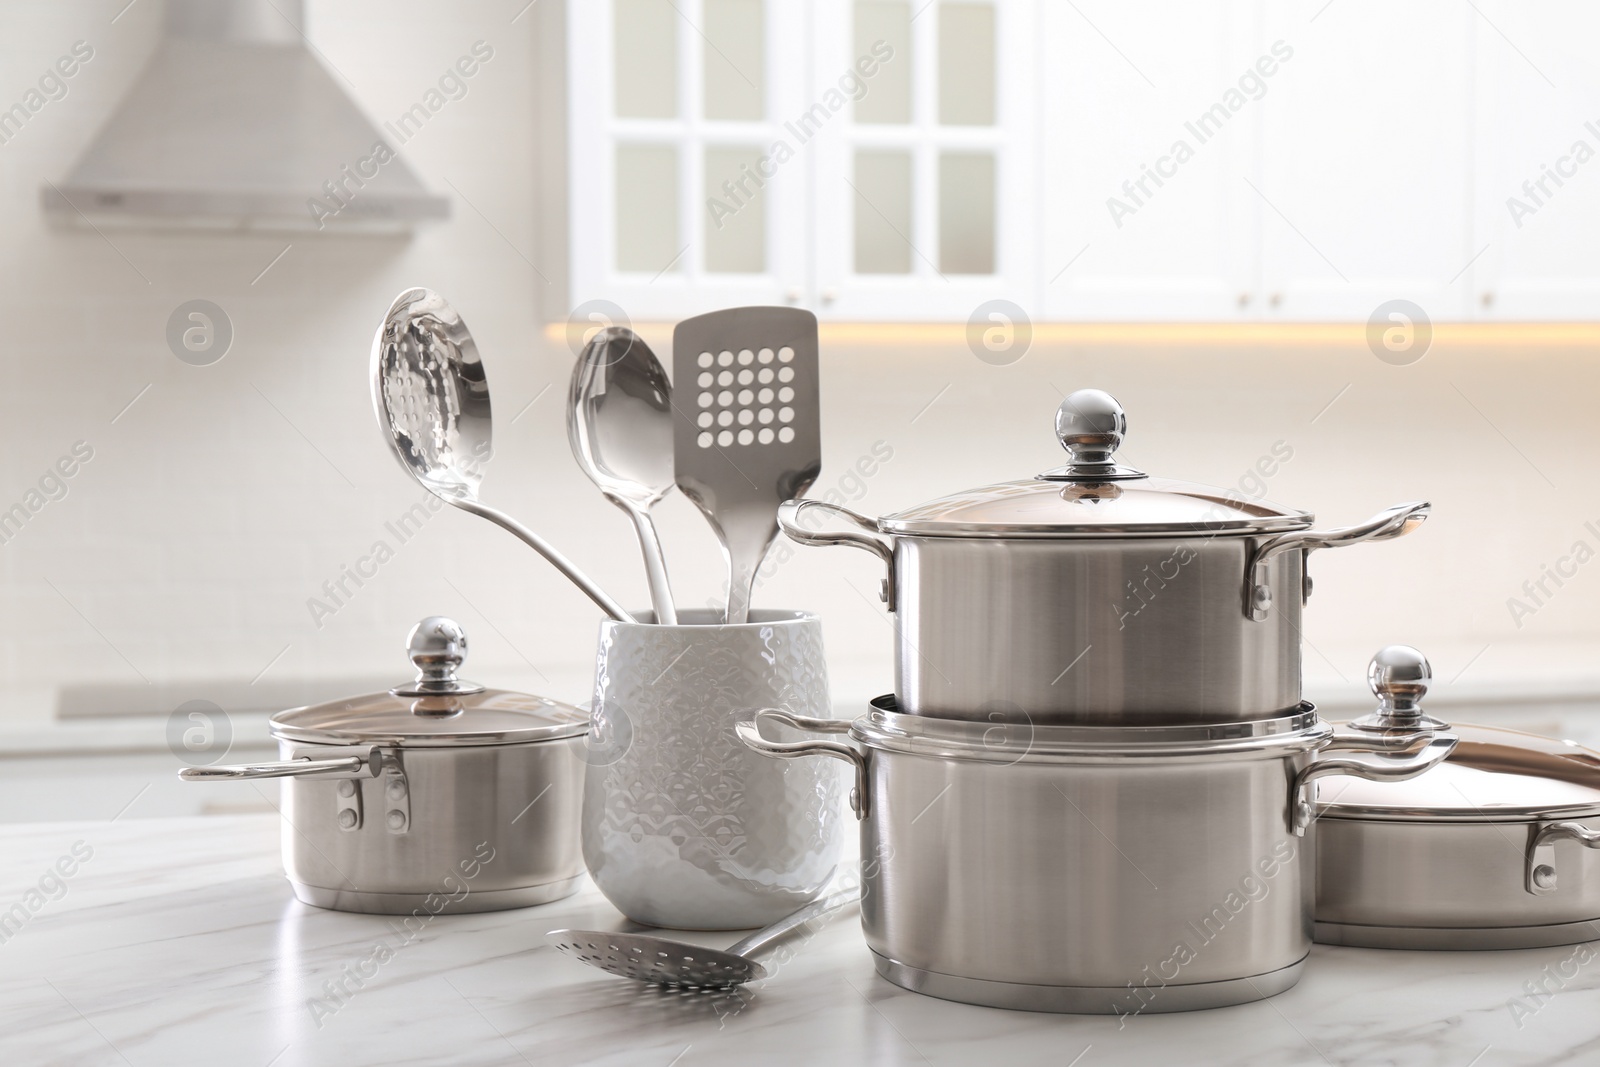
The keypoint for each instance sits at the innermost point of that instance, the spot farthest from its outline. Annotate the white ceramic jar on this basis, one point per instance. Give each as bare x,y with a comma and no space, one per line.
683,826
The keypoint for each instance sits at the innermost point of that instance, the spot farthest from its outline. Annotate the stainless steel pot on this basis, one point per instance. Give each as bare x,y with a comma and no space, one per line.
1093,594
1496,849
436,795
1096,870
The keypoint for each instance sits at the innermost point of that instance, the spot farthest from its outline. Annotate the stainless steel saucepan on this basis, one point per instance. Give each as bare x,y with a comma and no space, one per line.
1093,594
1091,869
436,795
1499,848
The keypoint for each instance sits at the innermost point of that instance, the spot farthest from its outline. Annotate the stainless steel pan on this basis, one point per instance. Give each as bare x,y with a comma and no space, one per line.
1499,848
437,795
1090,869
1093,594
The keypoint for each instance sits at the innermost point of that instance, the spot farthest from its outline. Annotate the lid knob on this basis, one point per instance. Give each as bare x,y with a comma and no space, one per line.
438,647
1090,425
1398,676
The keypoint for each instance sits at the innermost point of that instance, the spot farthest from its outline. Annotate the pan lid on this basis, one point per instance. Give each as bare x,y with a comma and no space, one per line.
436,709
1493,775
1093,495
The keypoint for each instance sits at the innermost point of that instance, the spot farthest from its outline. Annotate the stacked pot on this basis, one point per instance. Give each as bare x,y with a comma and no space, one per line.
1091,788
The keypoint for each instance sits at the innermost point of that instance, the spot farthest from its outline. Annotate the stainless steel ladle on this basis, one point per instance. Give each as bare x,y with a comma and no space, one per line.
432,401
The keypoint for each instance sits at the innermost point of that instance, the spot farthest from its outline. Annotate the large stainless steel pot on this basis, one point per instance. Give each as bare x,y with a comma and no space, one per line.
1089,869
1093,594
1496,849
436,795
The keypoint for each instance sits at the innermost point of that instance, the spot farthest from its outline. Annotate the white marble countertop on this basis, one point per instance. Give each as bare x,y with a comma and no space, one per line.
177,941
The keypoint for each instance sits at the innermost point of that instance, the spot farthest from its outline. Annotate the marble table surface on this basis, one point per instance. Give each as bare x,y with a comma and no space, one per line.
177,941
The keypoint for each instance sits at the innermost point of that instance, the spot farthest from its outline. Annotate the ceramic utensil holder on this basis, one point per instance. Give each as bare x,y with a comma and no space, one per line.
683,826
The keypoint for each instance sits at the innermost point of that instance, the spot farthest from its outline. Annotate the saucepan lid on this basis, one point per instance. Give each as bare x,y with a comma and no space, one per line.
1093,495
1494,775
436,709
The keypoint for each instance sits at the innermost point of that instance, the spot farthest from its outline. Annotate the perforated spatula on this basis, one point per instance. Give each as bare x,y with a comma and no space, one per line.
746,432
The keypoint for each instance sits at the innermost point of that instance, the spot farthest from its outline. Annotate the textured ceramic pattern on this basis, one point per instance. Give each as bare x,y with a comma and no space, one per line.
683,825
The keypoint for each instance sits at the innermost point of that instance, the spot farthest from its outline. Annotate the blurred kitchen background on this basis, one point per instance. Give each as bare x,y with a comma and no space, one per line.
1356,230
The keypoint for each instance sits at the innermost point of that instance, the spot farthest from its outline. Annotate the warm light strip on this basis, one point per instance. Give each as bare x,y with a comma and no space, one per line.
887,334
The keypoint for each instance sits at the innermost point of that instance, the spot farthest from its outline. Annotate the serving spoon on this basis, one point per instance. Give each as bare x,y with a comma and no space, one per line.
432,401
619,420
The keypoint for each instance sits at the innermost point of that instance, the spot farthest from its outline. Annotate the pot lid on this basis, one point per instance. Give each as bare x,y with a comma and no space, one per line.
436,709
1493,775
1092,495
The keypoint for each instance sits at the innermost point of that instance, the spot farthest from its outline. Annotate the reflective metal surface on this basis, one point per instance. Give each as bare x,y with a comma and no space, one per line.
435,710
619,420
1385,526
1070,631
1037,508
476,828
679,965
432,400
1052,598
437,647
1044,870
1494,849
748,430
1090,425
492,717
1088,1000
1093,495
1495,775
467,799
1398,676
368,764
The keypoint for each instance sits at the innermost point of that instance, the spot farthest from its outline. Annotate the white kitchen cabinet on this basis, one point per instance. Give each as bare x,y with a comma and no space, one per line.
1366,162
923,190
677,205
1143,213
719,154
1103,160
1538,161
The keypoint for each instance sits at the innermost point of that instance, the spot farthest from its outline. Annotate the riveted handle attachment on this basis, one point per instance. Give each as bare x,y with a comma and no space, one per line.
1540,876
750,734
789,518
1361,761
1386,525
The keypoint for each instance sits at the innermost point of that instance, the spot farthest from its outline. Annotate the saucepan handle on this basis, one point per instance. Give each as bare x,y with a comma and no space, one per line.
1362,762
366,764
789,515
750,734
1540,875
1386,525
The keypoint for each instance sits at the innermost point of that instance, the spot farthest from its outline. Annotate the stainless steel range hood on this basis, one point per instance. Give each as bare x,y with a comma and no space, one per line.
234,124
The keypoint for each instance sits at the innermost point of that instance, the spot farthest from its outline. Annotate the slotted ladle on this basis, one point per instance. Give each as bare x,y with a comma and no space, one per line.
679,965
432,400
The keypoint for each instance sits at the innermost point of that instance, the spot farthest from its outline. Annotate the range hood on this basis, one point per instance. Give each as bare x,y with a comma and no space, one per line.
234,124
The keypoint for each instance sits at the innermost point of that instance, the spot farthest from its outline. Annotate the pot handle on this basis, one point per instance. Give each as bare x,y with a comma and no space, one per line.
1386,525
750,734
367,764
789,513
1361,761
1539,878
